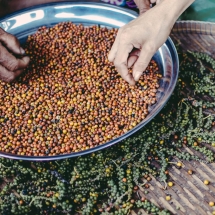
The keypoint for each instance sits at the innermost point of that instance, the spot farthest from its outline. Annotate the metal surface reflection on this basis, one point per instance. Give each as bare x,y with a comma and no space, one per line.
65,15
26,18
91,18
26,22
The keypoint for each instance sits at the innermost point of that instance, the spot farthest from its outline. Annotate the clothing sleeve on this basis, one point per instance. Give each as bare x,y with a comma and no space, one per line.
121,3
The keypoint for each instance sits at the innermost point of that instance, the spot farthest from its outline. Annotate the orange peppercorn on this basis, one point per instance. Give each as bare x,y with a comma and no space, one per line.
71,97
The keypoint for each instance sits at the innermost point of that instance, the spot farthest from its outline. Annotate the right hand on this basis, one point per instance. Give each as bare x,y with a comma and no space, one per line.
10,65
137,42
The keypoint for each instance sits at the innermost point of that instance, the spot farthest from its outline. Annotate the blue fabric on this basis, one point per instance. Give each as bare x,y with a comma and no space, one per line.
122,3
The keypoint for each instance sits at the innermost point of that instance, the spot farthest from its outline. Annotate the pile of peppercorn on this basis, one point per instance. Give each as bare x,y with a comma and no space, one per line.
71,98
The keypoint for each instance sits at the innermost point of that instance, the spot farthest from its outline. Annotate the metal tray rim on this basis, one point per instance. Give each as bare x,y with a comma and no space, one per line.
156,110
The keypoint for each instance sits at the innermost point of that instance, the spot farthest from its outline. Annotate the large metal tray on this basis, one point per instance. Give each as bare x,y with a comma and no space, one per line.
27,21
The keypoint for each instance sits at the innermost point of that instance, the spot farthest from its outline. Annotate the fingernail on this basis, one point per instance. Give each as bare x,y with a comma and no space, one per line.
137,76
22,50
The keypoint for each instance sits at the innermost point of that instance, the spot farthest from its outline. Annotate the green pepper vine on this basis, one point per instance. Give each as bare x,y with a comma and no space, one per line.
111,181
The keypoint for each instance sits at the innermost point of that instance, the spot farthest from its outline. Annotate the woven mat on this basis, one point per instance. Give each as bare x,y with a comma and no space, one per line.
189,192
195,36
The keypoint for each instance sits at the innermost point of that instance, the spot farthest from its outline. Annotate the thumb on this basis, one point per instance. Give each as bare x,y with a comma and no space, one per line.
143,61
11,42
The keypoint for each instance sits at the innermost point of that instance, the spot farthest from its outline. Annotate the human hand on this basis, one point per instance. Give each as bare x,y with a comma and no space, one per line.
144,5
10,65
137,42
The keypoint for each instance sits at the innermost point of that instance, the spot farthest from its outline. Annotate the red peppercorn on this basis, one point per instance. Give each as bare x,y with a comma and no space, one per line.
71,98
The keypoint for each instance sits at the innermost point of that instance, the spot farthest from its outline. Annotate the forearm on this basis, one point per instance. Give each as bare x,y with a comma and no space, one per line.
174,8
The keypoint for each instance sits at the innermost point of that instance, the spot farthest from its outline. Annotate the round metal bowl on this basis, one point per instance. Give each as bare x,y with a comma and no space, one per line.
27,21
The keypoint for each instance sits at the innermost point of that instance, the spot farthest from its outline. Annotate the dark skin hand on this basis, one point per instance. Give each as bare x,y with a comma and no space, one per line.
12,57
12,61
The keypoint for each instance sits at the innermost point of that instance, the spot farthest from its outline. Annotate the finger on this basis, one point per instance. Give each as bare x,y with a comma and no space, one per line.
131,60
8,76
113,51
10,62
143,5
135,52
140,65
121,62
155,2
11,42
133,56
